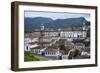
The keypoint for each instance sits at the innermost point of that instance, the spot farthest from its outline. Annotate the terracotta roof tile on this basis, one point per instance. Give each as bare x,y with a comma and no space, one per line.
51,49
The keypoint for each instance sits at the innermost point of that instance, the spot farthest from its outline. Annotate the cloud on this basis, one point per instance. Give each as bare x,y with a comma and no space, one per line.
56,15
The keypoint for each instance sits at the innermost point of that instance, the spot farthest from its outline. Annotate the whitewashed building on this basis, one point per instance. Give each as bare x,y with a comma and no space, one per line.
73,34
45,39
30,43
51,52
51,33
37,50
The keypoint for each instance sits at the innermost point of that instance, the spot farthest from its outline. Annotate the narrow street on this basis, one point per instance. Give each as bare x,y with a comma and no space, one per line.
42,58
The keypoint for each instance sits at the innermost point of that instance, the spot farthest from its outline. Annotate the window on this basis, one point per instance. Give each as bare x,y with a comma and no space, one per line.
26,47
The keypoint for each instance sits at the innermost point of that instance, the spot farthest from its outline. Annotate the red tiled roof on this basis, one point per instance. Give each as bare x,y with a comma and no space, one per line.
51,49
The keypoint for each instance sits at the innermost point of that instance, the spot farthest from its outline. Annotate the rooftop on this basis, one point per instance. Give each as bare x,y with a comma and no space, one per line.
51,49
31,34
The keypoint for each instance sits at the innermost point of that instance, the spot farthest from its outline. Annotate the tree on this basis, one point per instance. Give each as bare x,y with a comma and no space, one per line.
62,47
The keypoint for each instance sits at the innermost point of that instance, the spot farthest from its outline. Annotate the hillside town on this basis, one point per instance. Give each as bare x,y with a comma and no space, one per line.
58,44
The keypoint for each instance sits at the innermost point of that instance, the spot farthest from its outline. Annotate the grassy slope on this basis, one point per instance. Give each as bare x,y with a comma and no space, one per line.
29,57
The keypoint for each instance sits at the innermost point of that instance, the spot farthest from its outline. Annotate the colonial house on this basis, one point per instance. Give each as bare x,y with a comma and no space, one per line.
51,52
85,54
37,50
30,43
27,47
45,39
79,45
51,33
26,44
45,44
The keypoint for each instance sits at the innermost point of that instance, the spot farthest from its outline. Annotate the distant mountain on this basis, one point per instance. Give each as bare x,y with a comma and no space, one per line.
34,23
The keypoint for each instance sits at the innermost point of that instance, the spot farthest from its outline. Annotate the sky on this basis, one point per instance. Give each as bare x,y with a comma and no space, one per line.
56,15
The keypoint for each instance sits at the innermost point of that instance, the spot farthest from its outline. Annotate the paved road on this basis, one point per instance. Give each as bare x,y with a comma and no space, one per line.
42,58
